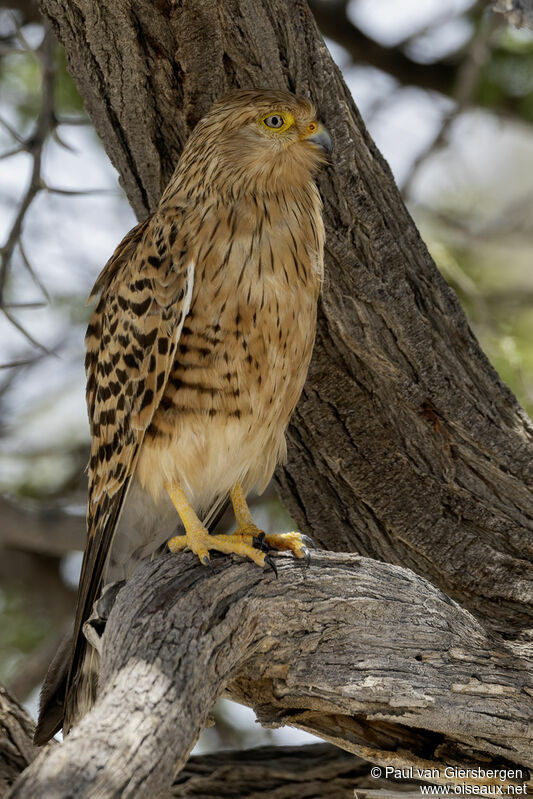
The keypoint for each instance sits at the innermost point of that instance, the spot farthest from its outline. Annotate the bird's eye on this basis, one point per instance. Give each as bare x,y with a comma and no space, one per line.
274,121
279,122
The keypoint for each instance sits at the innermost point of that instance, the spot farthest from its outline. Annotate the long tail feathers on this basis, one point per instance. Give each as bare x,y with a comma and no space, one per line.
69,670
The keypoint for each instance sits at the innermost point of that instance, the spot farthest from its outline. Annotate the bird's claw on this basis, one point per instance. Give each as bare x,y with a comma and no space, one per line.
265,544
270,563
206,560
308,540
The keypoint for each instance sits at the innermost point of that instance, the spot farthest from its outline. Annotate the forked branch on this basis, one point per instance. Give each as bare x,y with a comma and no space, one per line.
367,655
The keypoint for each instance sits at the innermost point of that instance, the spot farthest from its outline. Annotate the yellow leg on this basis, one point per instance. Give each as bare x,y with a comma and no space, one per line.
294,542
197,537
243,517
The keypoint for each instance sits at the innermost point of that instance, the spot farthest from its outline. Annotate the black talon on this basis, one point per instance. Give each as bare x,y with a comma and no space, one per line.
309,541
307,556
207,562
270,562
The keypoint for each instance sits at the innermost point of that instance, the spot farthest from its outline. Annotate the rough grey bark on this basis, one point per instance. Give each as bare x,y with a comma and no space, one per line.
272,772
276,772
16,748
405,446
367,655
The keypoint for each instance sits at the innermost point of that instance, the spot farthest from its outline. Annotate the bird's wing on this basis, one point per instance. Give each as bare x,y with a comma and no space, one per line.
146,291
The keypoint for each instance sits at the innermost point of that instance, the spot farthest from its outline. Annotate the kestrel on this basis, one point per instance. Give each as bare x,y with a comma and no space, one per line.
197,353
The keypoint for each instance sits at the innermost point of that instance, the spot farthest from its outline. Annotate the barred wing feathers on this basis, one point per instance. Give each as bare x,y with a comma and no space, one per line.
145,292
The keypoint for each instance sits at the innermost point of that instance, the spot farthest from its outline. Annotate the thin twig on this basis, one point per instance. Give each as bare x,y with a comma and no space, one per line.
62,143
11,130
24,305
9,50
33,274
73,121
76,192
26,47
17,364
34,145
24,332
46,125
23,360
15,151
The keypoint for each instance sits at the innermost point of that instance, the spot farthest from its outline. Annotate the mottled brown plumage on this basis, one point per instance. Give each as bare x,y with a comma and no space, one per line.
199,345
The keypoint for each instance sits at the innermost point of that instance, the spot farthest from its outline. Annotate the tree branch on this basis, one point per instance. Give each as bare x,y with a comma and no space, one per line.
36,579
468,75
368,656
45,124
47,532
284,772
31,673
16,747
333,20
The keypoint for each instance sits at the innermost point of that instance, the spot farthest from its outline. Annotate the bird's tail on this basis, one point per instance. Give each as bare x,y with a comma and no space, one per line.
69,688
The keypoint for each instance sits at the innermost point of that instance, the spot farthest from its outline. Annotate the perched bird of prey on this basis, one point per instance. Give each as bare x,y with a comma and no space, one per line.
197,353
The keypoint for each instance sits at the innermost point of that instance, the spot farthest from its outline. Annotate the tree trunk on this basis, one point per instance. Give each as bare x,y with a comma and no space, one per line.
367,655
405,446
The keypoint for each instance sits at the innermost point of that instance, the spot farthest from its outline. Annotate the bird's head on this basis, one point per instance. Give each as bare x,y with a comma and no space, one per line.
258,140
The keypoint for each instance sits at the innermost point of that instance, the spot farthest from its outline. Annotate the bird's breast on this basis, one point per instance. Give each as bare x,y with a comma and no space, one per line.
245,346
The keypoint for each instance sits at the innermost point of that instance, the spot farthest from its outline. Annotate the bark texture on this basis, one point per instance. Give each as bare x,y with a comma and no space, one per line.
16,748
276,772
367,655
422,456
318,770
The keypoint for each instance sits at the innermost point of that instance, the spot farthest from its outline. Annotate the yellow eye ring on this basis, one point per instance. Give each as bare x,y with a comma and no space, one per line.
277,121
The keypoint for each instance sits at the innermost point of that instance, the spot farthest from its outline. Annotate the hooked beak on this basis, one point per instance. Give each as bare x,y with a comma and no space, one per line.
321,138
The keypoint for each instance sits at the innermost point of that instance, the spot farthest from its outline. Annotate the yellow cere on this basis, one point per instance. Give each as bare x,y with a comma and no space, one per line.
286,116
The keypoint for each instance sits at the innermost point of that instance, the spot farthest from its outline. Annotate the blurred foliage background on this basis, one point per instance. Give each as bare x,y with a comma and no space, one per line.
447,93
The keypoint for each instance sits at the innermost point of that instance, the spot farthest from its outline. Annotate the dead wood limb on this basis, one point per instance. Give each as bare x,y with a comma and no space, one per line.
367,655
283,772
16,747
277,772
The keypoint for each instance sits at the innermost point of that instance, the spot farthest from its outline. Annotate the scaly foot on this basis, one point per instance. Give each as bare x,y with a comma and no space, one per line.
293,542
289,542
247,540
297,543
199,541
